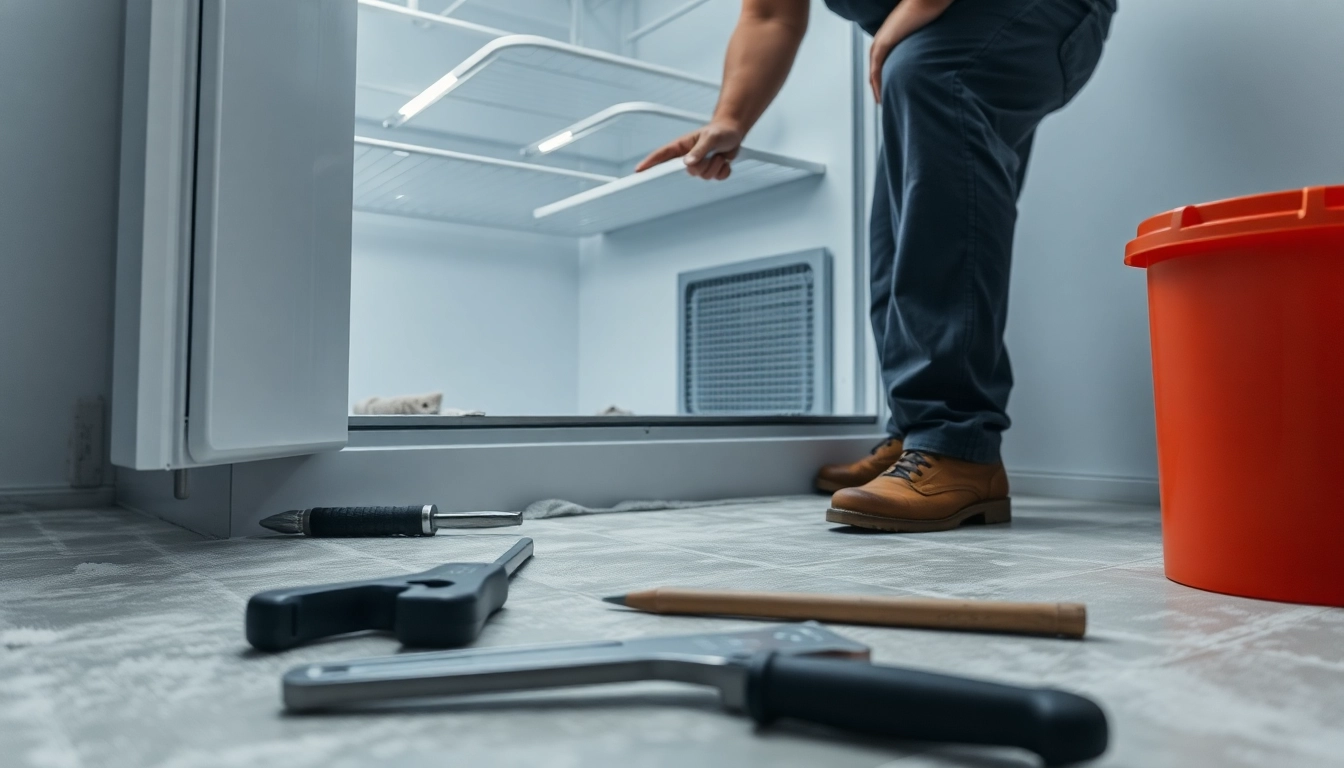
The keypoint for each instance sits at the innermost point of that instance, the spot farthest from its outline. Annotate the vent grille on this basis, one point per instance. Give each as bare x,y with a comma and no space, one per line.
751,340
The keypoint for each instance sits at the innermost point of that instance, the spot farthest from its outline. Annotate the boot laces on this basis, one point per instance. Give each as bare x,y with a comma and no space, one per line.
909,466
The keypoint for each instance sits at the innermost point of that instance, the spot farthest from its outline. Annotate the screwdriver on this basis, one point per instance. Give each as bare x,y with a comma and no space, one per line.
421,520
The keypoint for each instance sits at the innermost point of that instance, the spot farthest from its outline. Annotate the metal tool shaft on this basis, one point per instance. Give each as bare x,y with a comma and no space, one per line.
716,660
474,520
516,556
366,685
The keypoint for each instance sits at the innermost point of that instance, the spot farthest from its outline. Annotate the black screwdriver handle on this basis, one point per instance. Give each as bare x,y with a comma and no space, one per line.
367,521
888,701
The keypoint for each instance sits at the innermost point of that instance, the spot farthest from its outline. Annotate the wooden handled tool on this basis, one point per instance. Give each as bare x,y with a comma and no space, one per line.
1060,619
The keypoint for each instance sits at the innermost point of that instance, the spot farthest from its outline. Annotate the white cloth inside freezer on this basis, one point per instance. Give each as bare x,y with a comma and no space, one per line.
428,404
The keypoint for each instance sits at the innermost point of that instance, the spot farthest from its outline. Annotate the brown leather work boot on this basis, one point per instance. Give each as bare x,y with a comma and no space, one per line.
926,492
834,477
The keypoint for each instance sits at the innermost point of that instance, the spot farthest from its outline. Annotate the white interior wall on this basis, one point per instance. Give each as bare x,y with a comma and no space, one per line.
488,317
628,284
60,87
1194,101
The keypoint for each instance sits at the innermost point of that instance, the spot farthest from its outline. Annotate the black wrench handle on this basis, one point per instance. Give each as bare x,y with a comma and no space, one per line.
1061,727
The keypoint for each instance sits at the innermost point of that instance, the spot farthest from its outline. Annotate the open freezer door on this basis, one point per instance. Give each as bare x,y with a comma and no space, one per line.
270,305
233,268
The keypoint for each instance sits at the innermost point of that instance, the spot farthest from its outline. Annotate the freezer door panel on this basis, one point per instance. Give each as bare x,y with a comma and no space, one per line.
271,268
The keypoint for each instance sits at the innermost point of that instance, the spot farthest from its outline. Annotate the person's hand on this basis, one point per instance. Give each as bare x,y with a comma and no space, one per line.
908,17
708,152
884,42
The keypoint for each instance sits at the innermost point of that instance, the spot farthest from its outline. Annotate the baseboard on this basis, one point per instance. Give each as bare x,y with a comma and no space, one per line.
205,511
228,501
512,476
1127,490
54,497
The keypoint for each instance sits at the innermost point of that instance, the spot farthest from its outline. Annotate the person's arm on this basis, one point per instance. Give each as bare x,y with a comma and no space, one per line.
760,55
908,17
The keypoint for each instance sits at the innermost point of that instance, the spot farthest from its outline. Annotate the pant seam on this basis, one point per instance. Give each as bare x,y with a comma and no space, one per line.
972,227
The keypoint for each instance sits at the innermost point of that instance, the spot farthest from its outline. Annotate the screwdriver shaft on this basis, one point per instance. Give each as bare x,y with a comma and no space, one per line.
476,519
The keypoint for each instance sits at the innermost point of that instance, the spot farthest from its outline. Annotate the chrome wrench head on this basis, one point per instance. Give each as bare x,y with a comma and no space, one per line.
719,660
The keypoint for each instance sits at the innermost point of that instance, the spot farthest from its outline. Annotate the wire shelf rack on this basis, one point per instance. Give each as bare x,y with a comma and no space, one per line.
577,103
556,80
667,189
429,183
619,134
516,88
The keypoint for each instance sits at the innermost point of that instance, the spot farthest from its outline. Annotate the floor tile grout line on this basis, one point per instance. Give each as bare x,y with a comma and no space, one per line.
191,570
1319,663
899,591
50,537
1231,639
566,590
995,553
1184,654
689,550
620,538
342,548
1076,574
934,544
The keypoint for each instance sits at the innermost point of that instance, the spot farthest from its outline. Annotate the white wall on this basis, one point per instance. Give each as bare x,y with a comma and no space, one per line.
60,90
1195,100
628,304
488,317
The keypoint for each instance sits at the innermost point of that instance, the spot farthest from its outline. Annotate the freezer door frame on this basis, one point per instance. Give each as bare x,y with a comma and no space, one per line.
233,268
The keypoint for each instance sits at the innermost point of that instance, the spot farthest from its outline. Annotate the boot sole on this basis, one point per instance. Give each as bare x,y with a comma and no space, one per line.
984,513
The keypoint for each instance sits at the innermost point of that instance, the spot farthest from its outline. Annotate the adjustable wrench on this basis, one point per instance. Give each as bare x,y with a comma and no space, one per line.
443,607
769,673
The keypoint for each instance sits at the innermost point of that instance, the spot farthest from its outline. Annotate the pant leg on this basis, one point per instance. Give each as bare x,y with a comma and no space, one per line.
881,259
961,100
1003,370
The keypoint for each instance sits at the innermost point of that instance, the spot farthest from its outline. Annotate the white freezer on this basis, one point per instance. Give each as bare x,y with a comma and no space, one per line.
327,200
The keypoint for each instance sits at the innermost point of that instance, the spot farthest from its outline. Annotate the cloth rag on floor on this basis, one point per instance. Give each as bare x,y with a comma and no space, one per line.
548,508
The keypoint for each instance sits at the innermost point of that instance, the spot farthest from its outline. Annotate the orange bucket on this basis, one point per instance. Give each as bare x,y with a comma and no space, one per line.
1246,311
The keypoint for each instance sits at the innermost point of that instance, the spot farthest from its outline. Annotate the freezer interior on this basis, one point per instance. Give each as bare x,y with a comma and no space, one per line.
506,255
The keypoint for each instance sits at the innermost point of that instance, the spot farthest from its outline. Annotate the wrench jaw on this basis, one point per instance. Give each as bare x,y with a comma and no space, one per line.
718,660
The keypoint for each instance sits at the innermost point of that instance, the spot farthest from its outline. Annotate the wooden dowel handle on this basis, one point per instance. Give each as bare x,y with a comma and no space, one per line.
1066,619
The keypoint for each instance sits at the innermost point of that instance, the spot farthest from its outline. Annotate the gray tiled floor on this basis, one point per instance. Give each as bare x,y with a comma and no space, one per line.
121,643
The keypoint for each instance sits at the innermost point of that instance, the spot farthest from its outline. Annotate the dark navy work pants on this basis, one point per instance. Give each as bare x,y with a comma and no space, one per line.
961,99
